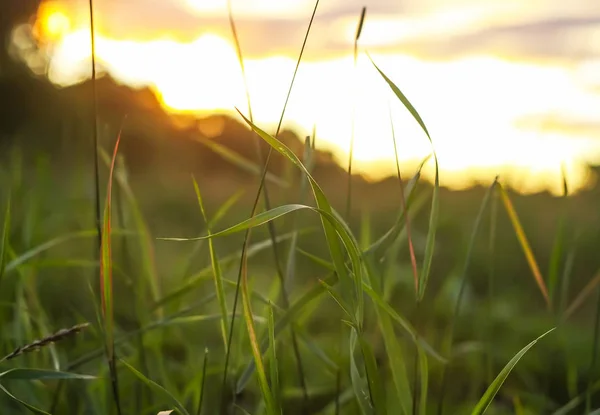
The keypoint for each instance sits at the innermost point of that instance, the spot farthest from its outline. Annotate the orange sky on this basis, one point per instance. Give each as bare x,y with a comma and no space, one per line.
505,87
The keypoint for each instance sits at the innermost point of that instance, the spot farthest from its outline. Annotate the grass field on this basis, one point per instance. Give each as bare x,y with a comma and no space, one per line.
291,304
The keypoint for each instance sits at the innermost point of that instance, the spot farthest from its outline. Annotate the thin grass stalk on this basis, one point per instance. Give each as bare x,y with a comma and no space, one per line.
411,248
416,367
588,397
138,390
254,208
271,225
204,366
522,238
491,274
95,125
465,270
352,138
106,283
558,248
4,238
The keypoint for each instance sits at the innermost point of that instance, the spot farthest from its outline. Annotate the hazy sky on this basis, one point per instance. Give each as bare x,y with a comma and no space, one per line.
505,86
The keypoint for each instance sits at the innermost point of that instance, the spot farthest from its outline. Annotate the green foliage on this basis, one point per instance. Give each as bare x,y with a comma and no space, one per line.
164,305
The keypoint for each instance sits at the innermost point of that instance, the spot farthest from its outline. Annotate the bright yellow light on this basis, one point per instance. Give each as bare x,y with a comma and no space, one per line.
52,22
473,107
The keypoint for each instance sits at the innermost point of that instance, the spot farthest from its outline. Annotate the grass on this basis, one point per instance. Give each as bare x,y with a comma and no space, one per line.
165,322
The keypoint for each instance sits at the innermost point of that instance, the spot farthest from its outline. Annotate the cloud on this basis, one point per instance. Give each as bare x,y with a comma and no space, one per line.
567,38
429,29
561,125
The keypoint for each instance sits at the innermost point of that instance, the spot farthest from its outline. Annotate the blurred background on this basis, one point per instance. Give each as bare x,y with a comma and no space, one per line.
506,88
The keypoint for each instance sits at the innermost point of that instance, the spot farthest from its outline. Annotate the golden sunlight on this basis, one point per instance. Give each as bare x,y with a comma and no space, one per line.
52,22
474,107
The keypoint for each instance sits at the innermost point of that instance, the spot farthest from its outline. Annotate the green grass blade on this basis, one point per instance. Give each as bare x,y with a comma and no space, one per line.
570,406
430,243
25,404
403,396
582,296
493,389
352,295
376,387
424,376
359,386
256,352
289,315
106,283
241,162
39,249
433,217
558,247
257,220
201,394
379,247
273,363
404,323
41,374
156,388
338,299
4,239
200,276
463,282
216,266
403,204
535,270
226,207
146,243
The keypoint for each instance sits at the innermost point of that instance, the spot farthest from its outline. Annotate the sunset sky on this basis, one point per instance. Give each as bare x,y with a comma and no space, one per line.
507,87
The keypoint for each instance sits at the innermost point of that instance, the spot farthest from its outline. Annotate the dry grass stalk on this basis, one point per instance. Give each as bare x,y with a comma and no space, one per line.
52,338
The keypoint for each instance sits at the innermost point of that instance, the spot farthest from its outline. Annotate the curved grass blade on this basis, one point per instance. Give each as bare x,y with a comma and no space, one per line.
41,374
25,404
352,138
238,160
156,388
273,364
289,315
570,406
4,239
403,204
559,239
33,252
463,282
582,296
201,275
414,337
217,273
525,245
358,384
256,352
424,376
353,296
257,220
106,284
147,249
338,299
493,389
261,186
379,247
201,394
376,388
403,395
433,217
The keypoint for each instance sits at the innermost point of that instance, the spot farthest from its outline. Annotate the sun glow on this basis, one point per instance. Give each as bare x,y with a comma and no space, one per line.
52,22
473,107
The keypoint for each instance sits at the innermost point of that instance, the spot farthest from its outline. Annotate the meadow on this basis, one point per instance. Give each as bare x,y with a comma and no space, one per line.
143,277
